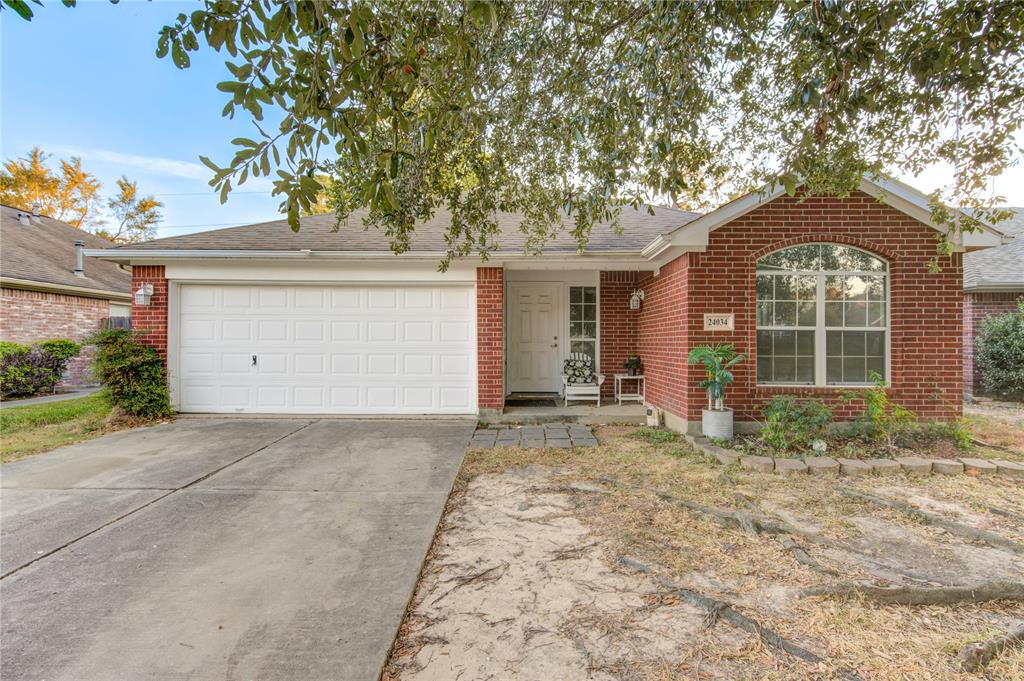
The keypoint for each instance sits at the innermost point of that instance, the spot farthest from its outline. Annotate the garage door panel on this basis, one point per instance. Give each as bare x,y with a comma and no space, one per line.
326,349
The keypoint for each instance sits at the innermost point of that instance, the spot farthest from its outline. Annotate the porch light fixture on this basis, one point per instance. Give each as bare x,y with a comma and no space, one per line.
635,299
144,294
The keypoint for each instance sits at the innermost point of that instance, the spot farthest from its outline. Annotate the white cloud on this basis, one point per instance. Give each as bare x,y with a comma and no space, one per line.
154,165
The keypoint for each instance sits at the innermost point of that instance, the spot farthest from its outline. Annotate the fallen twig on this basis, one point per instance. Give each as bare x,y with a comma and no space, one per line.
717,610
951,526
485,575
989,445
975,656
995,510
916,595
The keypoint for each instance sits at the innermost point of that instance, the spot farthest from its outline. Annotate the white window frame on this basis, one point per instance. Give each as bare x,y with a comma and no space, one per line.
597,322
820,330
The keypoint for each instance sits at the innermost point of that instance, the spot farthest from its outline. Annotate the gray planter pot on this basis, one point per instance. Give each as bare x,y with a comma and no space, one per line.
717,424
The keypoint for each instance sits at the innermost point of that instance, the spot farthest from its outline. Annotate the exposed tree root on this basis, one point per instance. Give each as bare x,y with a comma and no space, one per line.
995,510
915,595
805,559
975,656
490,574
717,610
951,526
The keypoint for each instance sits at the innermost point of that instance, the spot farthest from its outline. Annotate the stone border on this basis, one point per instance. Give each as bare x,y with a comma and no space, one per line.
825,465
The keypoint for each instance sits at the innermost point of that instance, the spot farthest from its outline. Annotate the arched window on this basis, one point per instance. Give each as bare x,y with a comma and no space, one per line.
822,316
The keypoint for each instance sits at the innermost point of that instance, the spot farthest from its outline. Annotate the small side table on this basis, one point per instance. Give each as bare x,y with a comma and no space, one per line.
637,396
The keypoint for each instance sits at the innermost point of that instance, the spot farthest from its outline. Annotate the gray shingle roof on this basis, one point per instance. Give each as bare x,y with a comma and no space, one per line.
638,229
1001,267
45,253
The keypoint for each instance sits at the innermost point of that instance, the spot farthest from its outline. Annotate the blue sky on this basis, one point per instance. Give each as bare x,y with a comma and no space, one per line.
86,82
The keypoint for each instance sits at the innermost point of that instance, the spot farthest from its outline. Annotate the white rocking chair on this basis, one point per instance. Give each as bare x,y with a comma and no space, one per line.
579,382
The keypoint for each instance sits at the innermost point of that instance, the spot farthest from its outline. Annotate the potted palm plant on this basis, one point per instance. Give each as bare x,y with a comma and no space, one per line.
718,360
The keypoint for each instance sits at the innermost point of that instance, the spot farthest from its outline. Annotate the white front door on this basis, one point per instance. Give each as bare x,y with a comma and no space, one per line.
535,330
318,349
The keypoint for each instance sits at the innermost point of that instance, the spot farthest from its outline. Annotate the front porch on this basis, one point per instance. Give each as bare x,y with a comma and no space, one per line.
587,414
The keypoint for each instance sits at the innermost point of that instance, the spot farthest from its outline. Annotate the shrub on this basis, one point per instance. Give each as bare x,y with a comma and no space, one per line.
883,420
1000,354
132,372
28,370
793,424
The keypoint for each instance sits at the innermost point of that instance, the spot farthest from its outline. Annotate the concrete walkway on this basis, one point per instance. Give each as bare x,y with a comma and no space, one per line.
220,548
58,397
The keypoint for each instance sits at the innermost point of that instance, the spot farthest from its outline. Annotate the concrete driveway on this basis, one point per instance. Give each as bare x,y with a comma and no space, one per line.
220,548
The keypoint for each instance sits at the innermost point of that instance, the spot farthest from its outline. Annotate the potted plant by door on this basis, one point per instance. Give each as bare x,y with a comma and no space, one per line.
718,360
632,365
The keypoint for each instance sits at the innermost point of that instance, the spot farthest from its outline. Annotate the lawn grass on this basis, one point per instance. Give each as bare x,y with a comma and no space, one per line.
41,427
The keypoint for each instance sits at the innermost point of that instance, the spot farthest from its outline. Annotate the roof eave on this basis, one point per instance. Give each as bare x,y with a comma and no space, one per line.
66,289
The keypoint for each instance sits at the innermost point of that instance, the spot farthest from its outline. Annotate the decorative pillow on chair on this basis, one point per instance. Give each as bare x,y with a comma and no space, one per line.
578,370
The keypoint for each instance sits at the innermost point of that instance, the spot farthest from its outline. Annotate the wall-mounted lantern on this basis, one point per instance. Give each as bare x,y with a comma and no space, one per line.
635,299
144,294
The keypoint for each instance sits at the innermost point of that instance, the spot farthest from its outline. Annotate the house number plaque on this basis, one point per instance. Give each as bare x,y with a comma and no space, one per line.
719,322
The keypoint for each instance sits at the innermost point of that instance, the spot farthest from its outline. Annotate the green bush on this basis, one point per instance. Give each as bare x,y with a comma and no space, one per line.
793,424
132,372
883,421
28,370
1000,354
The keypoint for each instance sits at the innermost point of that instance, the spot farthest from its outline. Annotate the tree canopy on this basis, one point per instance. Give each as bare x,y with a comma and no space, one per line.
73,196
586,106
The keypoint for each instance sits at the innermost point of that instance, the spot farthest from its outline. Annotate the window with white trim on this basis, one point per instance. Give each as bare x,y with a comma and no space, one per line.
822,316
583,321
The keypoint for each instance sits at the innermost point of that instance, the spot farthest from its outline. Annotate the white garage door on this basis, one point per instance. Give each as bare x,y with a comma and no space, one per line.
327,349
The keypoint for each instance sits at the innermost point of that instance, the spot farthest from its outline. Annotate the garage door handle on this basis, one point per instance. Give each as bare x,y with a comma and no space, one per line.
254,360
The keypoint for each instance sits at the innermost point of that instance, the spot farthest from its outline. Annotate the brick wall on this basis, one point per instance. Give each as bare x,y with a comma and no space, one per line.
151,318
490,300
977,306
926,330
662,333
618,325
29,316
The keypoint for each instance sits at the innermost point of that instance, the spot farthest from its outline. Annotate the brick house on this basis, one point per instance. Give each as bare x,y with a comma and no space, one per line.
819,292
993,282
49,289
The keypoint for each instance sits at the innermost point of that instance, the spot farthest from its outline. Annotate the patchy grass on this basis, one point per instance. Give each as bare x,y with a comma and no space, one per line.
656,436
41,427
1006,435
499,489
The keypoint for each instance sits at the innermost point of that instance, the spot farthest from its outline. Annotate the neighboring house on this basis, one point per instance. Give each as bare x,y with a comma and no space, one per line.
993,281
48,289
818,292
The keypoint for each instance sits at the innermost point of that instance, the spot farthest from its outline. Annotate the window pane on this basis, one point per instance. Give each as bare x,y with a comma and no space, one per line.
589,330
575,311
590,313
876,365
806,287
764,368
834,370
807,314
764,314
785,370
764,343
854,371
876,288
575,294
575,329
856,288
785,288
805,369
853,343
875,344
764,287
833,288
795,258
805,343
876,314
589,295
856,314
785,314
785,342
833,343
833,314
586,347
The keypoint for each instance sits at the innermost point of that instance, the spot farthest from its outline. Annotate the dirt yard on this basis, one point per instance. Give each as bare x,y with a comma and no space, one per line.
637,559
